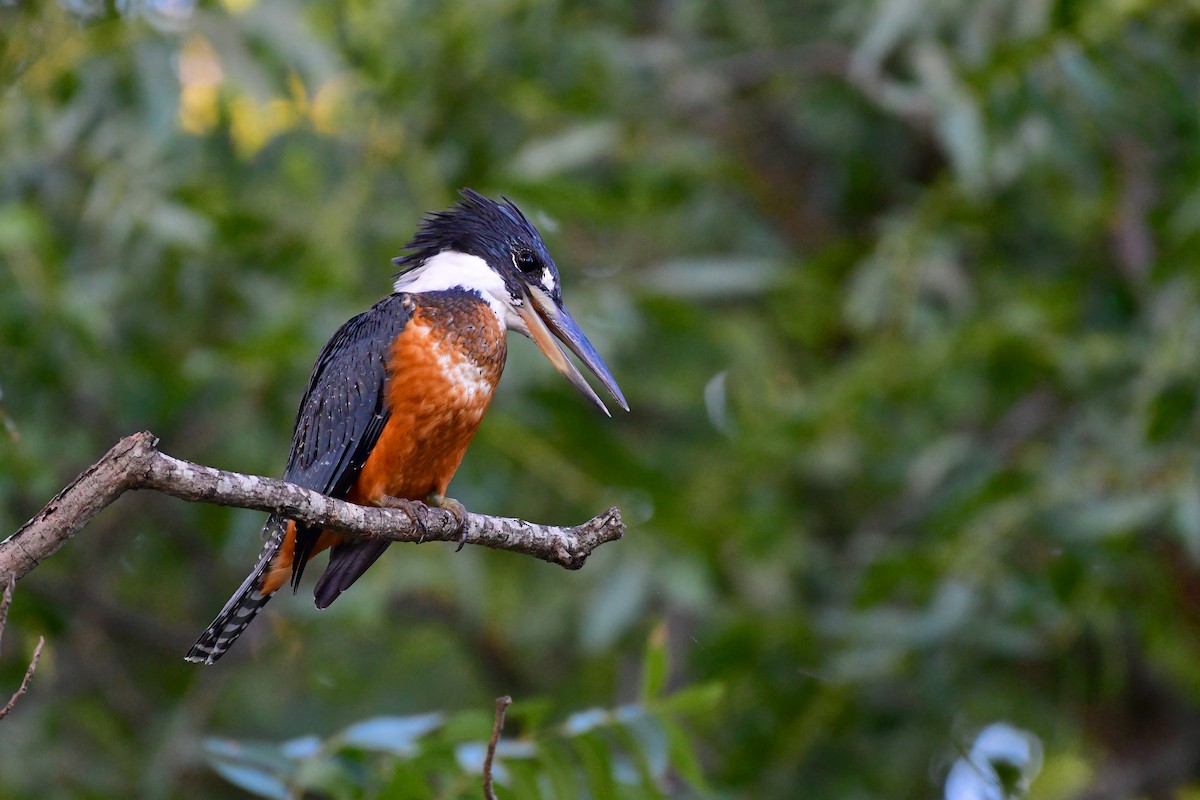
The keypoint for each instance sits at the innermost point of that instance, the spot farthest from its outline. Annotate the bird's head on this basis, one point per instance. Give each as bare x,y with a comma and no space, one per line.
491,248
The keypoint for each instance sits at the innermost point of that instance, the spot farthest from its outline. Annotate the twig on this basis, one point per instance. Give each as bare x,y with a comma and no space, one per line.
37,651
136,463
502,704
12,701
10,586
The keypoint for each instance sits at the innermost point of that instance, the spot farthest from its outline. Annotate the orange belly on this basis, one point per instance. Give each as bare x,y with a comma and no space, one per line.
435,403
437,394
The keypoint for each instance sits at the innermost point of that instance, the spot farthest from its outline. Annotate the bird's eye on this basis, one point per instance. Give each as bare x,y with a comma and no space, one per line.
525,260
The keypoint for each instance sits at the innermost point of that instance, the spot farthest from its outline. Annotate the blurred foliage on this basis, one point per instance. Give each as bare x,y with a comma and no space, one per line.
903,293
636,750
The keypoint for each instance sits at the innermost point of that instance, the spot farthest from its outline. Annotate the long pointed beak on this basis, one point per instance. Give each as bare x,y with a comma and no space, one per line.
542,316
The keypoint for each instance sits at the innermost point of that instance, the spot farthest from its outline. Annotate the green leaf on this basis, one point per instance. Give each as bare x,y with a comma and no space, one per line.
302,747
261,769
682,756
255,780
397,735
647,755
405,779
467,726
655,663
333,775
692,700
528,714
555,759
583,722
521,781
593,752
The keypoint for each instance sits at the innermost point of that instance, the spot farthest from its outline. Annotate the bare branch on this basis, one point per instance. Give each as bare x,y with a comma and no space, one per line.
10,586
5,602
502,704
12,701
136,463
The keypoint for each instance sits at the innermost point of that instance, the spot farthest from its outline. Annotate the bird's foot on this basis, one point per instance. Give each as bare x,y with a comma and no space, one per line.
457,509
407,506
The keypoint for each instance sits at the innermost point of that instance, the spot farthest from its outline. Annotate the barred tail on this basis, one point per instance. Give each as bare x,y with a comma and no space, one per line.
243,606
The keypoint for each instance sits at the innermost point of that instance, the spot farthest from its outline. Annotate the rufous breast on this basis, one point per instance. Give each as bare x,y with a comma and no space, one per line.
442,371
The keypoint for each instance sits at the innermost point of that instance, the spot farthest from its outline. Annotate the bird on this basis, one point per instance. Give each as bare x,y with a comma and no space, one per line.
398,392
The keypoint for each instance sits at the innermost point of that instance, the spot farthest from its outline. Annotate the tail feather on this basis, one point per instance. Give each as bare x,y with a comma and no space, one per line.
347,562
243,606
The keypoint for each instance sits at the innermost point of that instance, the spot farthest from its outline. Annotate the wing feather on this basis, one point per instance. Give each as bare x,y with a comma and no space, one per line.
339,420
343,410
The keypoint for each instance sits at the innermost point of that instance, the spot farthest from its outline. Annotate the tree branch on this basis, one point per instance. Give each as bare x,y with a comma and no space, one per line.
136,463
5,602
502,704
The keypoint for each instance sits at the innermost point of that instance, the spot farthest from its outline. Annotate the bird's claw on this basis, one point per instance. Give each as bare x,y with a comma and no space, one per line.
387,501
458,510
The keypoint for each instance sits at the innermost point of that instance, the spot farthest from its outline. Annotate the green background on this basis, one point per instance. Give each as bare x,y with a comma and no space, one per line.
903,295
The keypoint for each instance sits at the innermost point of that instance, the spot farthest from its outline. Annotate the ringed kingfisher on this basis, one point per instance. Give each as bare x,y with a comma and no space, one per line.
399,391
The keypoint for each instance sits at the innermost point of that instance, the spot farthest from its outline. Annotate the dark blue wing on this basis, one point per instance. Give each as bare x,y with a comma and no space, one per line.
343,410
